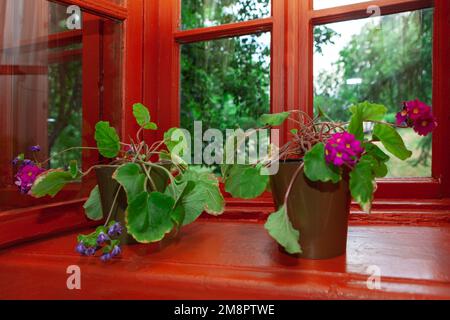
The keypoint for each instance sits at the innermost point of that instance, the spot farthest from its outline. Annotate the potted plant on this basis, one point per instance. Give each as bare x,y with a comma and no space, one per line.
143,193
323,166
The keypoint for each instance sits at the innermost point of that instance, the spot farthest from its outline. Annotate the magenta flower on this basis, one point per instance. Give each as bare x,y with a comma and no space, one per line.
418,115
402,117
26,176
425,125
417,109
343,148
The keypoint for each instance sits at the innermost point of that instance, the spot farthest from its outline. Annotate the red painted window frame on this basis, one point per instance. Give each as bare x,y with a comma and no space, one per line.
291,25
46,217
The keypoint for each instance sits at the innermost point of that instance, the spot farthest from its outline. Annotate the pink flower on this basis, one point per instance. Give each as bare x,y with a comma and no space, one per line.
417,109
26,176
418,115
425,124
402,117
343,148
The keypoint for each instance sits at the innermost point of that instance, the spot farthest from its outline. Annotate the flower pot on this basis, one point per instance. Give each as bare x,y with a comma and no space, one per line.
108,188
319,211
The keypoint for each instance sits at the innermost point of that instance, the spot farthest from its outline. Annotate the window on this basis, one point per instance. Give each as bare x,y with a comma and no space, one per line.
57,79
208,13
225,83
307,69
387,61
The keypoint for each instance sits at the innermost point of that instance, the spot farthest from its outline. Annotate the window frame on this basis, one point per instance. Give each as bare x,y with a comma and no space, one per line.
45,217
291,25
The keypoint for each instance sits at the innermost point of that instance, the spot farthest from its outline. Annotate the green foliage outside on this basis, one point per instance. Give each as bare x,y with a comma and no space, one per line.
394,61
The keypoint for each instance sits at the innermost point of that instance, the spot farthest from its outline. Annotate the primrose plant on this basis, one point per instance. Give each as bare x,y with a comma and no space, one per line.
150,213
330,151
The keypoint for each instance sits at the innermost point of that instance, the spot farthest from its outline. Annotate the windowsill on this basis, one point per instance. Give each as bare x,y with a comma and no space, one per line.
236,260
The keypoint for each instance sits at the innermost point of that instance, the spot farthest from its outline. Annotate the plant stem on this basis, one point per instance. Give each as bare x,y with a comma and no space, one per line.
291,184
69,149
113,205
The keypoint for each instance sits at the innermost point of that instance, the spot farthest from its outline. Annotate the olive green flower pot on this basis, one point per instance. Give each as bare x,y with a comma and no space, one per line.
319,211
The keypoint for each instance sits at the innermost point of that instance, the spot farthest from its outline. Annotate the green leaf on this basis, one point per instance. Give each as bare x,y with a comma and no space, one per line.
294,131
245,182
380,158
73,168
107,140
178,215
172,143
197,192
362,182
364,111
316,167
142,115
131,179
376,152
280,228
392,141
274,120
93,205
50,183
149,217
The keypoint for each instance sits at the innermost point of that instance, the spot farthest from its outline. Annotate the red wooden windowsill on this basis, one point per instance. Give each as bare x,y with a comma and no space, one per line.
236,260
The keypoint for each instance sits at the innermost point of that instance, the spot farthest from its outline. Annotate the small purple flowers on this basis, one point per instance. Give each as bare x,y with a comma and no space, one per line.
26,176
417,115
343,149
101,239
115,230
35,148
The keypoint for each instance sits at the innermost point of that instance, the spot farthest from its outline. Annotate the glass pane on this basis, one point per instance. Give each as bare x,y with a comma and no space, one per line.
323,4
207,13
44,65
386,60
225,83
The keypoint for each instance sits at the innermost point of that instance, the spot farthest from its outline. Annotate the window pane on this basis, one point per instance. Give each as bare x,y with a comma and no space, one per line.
225,83
323,4
386,60
45,67
207,13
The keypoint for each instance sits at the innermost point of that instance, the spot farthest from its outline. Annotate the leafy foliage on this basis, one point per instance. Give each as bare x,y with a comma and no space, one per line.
317,169
245,182
107,140
93,206
50,183
142,115
391,140
149,216
280,228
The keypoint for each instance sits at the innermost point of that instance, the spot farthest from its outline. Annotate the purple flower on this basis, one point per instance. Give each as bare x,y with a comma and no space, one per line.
116,251
343,148
35,148
15,161
102,238
115,229
81,248
106,257
90,251
26,176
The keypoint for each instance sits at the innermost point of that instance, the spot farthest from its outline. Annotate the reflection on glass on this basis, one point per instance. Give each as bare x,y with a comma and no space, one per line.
323,4
225,83
386,60
207,13
41,84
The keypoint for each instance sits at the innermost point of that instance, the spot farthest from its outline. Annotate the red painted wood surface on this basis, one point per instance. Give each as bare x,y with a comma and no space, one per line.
236,261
